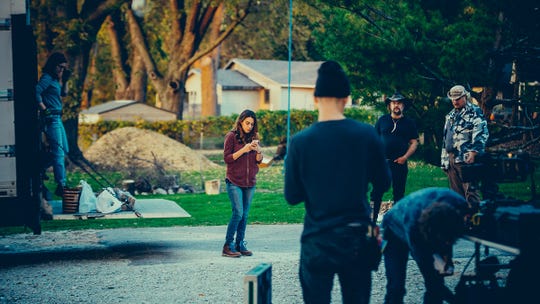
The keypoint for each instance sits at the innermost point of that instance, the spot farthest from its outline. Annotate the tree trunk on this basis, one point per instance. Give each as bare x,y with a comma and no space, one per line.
208,87
209,70
139,79
86,100
490,91
172,95
119,75
79,64
488,94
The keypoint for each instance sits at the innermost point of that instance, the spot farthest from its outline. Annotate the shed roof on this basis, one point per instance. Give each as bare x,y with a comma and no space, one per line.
115,105
108,106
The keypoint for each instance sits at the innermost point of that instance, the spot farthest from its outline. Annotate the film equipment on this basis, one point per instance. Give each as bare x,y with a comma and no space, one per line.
504,223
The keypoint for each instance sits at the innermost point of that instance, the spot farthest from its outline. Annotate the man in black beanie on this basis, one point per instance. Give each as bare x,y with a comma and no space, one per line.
329,167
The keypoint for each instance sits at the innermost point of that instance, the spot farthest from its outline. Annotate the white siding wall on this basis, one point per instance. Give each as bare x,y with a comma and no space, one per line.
193,88
234,102
192,109
275,96
301,98
273,87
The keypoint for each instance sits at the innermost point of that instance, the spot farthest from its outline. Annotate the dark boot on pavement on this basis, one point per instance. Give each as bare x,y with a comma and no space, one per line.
59,190
229,251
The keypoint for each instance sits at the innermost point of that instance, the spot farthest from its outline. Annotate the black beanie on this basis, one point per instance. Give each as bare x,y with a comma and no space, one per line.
332,81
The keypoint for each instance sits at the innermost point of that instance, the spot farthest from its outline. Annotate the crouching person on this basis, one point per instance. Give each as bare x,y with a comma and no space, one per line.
425,224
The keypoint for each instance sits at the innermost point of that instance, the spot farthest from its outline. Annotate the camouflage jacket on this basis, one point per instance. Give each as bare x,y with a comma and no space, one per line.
470,132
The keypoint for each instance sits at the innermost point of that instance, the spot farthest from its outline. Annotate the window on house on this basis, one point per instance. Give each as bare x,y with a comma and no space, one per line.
192,96
267,96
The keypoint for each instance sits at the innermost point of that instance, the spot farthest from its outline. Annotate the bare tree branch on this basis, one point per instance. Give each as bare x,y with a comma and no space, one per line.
95,14
139,43
242,14
119,76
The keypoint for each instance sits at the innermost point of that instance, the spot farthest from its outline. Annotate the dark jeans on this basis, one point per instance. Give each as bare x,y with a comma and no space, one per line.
399,179
398,173
342,251
396,257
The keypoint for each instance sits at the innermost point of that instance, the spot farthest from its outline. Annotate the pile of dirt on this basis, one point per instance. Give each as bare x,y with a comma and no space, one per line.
131,148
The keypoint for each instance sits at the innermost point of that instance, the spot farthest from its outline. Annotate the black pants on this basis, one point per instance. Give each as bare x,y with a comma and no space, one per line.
399,179
396,258
343,251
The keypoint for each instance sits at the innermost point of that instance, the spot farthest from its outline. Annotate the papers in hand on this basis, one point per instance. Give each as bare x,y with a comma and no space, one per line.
266,162
444,266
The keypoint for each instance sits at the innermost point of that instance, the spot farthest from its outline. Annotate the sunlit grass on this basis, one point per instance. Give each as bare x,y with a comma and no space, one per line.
268,207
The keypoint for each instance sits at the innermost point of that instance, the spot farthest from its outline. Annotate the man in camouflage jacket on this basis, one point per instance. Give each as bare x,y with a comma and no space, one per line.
465,135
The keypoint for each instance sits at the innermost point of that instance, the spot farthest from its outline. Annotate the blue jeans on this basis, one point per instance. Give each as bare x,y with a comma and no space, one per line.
396,256
240,202
57,139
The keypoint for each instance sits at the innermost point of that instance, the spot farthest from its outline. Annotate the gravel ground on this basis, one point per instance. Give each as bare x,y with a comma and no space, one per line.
164,265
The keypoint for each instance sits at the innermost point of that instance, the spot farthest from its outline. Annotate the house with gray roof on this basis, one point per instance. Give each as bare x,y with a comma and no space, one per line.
257,85
231,85
124,110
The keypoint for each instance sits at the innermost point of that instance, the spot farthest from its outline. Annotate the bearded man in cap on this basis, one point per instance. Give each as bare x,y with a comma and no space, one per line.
329,166
400,139
465,136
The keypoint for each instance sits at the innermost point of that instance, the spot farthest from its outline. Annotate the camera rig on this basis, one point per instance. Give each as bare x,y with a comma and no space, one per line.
501,218
504,223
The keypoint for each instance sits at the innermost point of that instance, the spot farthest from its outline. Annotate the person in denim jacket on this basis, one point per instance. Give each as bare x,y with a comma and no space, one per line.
50,89
465,136
242,154
426,224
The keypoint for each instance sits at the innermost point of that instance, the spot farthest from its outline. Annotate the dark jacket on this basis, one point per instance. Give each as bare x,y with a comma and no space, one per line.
242,171
401,222
403,217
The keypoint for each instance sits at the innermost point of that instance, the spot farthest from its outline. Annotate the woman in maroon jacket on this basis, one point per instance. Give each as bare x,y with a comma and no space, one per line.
242,154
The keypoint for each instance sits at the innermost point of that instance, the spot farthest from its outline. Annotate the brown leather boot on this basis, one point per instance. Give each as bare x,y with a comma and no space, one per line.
230,252
243,249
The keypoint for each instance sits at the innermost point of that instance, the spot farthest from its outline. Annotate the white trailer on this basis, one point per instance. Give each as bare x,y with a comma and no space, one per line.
21,187
19,129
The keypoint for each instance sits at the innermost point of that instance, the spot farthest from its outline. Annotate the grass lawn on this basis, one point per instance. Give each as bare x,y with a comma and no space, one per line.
268,207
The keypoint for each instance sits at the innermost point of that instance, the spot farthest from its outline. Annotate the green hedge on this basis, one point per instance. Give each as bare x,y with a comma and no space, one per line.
209,132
